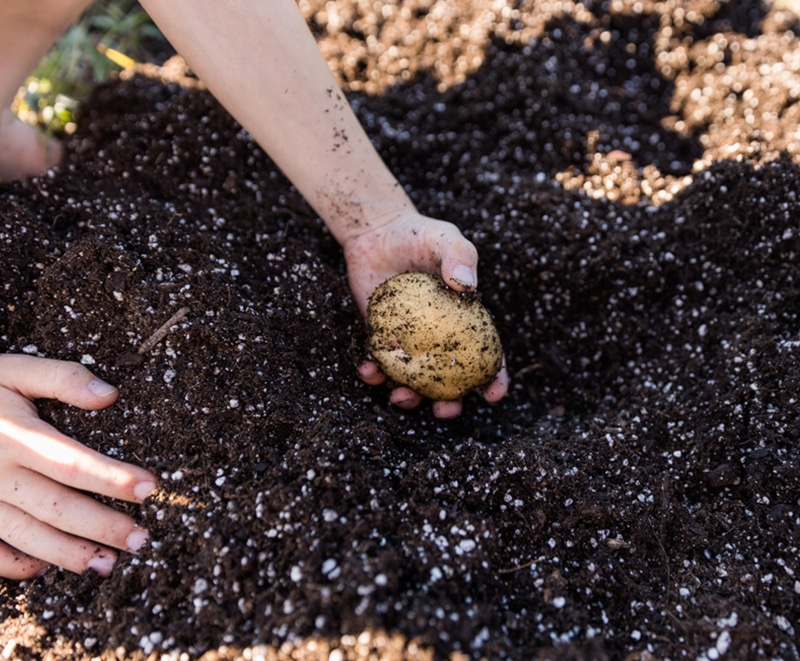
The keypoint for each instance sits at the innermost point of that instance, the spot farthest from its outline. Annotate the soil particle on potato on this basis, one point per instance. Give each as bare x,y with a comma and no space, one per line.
628,172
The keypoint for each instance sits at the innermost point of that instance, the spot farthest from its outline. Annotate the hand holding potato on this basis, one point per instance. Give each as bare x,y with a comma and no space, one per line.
413,242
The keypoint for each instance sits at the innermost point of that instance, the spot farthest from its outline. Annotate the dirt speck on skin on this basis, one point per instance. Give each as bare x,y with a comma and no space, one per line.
629,174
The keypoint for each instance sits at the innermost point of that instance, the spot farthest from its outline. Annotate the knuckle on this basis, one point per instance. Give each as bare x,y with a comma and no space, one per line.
67,372
14,525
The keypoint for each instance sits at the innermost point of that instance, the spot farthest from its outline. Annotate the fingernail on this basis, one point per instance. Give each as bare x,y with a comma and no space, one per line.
101,388
136,540
464,275
101,565
143,490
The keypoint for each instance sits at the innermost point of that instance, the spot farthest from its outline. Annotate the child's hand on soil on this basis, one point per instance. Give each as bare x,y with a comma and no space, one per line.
44,517
413,242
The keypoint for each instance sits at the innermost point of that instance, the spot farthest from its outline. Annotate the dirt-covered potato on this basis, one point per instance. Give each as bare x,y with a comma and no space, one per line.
434,340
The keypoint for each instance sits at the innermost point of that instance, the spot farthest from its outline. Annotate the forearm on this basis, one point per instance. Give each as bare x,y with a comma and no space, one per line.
261,62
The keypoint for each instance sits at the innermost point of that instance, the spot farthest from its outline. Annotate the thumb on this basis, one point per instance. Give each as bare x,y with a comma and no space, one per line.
457,257
45,378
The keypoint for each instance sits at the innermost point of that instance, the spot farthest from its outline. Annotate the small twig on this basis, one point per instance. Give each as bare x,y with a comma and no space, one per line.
529,368
511,570
161,331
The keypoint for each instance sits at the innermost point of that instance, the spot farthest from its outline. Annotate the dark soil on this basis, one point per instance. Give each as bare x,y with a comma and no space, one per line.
629,173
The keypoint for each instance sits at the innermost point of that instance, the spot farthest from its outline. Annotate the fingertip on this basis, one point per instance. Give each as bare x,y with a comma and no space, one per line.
144,488
126,482
65,380
102,389
102,563
462,277
459,265
447,410
37,569
75,384
498,388
137,538
99,395
405,398
370,373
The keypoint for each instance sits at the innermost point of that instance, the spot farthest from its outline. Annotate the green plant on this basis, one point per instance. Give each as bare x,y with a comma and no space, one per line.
81,58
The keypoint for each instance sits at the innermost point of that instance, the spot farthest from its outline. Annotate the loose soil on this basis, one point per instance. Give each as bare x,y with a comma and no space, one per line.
629,173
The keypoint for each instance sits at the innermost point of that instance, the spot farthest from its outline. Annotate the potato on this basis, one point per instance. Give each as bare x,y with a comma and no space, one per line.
434,340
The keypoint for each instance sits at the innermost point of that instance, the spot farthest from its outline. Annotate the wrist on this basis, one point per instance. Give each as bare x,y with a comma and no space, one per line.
351,213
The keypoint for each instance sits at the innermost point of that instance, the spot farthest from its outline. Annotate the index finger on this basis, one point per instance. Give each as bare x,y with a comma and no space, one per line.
63,459
47,378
